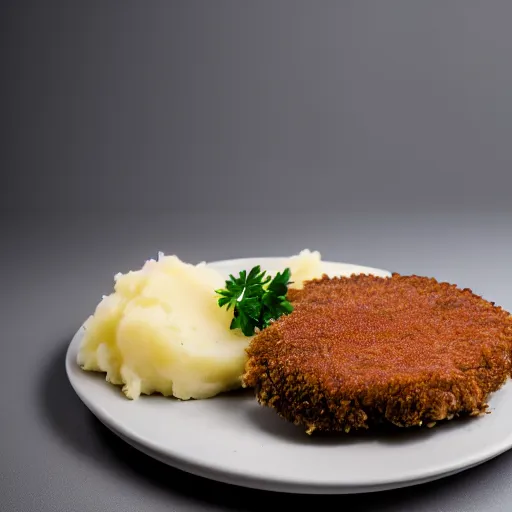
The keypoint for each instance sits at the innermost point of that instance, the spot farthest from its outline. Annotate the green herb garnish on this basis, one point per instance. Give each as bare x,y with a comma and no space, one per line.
256,299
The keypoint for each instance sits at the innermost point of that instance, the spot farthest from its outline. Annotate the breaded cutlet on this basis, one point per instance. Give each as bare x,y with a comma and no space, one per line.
361,351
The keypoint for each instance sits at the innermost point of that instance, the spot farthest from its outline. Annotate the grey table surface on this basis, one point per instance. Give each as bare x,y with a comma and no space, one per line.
55,456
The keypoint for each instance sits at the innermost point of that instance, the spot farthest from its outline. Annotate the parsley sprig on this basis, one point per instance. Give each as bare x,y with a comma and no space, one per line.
256,299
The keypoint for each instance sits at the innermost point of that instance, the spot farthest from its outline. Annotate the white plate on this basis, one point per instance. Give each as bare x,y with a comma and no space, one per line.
232,439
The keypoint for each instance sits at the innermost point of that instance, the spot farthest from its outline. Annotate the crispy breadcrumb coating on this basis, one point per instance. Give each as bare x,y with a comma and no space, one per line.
360,351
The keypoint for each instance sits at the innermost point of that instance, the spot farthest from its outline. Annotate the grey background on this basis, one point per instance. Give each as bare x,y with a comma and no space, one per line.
375,131
294,104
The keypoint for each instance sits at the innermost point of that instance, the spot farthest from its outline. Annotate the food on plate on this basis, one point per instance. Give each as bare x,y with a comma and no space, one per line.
256,299
162,331
305,266
361,351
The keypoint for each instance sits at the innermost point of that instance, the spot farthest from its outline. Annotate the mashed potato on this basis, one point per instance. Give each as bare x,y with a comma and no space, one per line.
304,266
161,330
